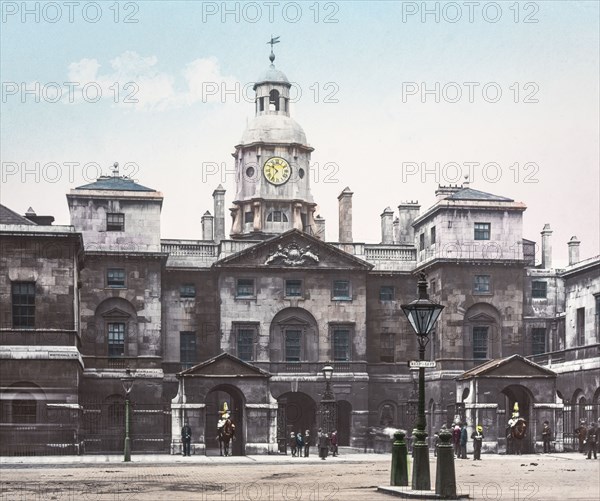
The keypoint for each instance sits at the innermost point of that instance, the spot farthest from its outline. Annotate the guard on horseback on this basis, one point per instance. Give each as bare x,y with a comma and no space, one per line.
517,428
225,431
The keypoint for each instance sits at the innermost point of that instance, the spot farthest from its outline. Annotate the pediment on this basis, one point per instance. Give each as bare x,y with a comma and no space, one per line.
116,313
224,365
482,318
294,250
513,366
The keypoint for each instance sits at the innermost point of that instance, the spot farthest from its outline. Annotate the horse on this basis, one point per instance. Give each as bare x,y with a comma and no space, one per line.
226,433
516,434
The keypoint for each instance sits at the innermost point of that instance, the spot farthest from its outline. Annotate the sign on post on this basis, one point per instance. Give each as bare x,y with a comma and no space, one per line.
416,364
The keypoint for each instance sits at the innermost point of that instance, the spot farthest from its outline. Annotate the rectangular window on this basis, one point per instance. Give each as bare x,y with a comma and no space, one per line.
187,290
580,328
292,345
421,241
115,277
341,289
187,349
432,286
23,305
432,235
538,340
386,293
245,344
482,231
245,287
387,347
293,288
115,221
481,285
480,342
248,217
539,289
116,339
341,345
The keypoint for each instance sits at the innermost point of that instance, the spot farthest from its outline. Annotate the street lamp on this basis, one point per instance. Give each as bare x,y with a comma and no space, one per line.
328,407
127,382
422,315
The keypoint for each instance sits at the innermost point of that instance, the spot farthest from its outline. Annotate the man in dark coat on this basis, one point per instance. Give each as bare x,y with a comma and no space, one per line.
464,438
323,444
592,441
306,443
581,433
293,444
186,439
546,436
334,443
299,443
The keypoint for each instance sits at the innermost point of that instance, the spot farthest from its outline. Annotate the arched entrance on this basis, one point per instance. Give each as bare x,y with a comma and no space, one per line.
516,393
296,411
214,404
344,421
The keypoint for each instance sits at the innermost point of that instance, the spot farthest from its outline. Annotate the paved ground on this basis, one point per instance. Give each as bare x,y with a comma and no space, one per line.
350,477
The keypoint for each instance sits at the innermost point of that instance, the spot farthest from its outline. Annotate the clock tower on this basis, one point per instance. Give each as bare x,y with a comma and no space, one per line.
272,166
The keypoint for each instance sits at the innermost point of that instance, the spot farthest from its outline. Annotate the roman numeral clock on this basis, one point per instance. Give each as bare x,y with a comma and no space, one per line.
277,171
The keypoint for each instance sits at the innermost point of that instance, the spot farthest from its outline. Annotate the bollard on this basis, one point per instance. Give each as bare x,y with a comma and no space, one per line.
445,478
399,460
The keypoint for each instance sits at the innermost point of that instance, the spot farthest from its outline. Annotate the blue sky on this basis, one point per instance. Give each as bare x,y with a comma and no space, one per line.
367,128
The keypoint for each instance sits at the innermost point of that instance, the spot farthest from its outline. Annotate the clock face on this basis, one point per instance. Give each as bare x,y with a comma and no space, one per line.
277,170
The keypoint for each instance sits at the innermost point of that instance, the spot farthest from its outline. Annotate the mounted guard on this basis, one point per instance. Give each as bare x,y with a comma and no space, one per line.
516,432
225,431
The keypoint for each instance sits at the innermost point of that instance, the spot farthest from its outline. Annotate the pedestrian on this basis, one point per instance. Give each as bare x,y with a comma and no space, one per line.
477,437
456,440
334,443
323,444
581,433
293,444
299,443
186,438
546,436
306,443
592,441
464,438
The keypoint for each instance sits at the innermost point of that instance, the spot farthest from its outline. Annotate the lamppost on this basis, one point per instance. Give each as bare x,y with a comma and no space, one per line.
328,407
422,315
127,382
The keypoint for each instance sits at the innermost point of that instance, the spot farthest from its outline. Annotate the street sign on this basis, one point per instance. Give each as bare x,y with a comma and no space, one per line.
415,364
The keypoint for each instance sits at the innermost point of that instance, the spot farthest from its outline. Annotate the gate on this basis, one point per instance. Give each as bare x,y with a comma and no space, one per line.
572,415
281,426
103,427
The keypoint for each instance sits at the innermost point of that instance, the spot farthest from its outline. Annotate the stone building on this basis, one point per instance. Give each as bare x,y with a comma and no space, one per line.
250,318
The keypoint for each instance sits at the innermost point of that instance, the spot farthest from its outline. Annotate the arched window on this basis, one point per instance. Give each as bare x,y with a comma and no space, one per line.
274,100
277,216
387,414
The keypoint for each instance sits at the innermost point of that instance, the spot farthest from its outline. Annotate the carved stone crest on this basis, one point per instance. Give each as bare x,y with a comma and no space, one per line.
292,255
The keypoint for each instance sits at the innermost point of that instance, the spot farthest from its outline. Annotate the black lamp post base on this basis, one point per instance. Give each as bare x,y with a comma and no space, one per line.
421,480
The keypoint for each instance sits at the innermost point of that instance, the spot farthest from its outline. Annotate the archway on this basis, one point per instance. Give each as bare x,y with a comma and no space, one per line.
515,393
344,421
215,399
294,337
297,411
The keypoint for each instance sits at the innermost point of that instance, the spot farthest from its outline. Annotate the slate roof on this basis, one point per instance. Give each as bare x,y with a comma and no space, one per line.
490,365
471,194
8,216
114,183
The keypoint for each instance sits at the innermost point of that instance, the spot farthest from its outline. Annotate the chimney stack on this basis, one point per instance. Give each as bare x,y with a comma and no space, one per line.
387,226
409,211
546,247
396,229
207,226
445,191
320,228
573,250
345,216
219,221
41,220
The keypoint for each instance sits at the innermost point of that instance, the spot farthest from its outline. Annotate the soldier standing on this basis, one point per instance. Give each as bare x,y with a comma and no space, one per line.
186,438
477,437
581,434
464,438
592,441
293,443
306,443
299,443
323,444
546,436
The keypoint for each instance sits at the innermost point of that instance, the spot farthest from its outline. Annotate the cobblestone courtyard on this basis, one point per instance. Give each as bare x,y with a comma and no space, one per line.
268,478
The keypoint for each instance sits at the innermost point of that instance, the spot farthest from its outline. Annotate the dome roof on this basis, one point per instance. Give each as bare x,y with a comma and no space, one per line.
273,129
272,74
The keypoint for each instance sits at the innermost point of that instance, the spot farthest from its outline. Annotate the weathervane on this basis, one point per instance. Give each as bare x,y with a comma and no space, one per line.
273,41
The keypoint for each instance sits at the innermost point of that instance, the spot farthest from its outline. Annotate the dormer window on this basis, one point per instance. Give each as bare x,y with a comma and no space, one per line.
115,221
